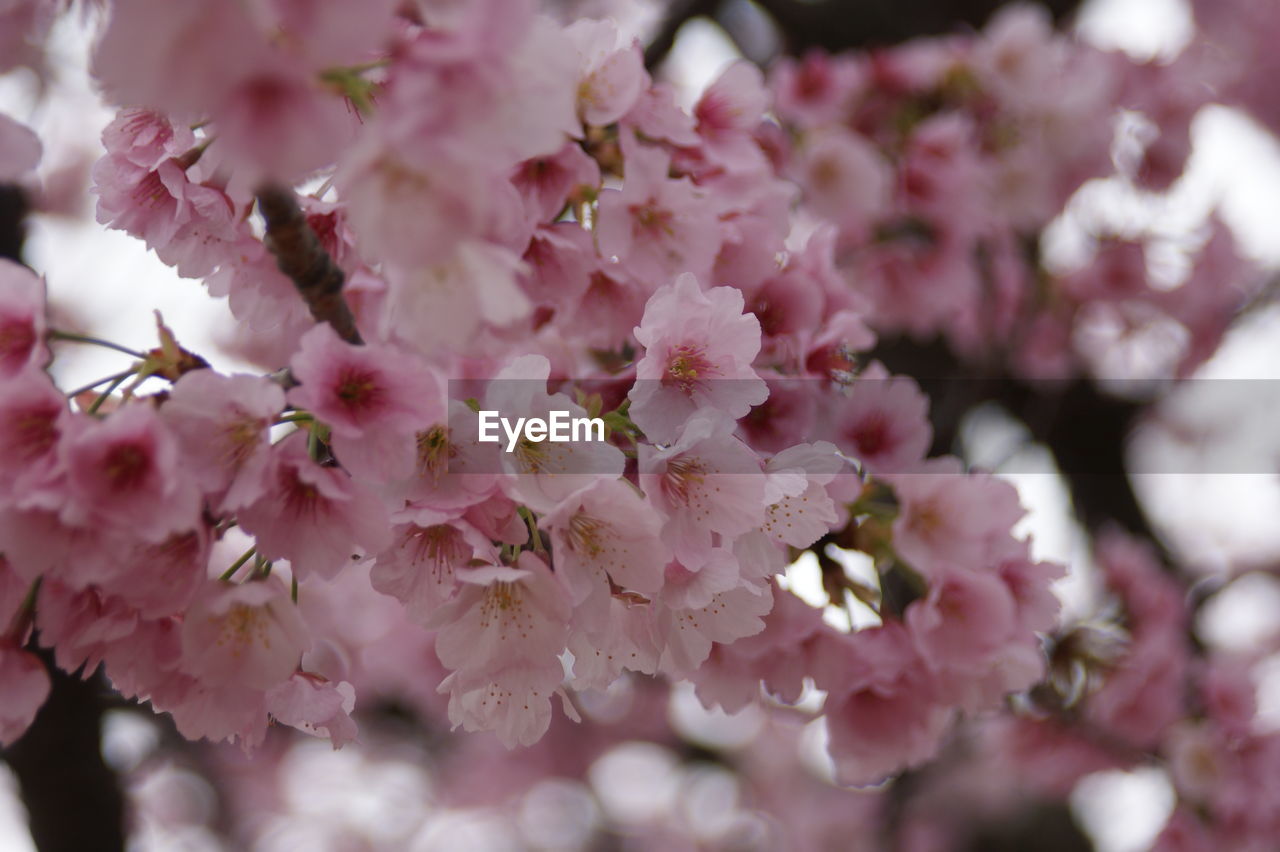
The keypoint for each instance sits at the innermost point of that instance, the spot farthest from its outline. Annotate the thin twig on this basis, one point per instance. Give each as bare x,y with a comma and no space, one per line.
72,337
124,374
111,388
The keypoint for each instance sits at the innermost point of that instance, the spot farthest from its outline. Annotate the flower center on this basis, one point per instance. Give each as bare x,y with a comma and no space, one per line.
127,466
687,365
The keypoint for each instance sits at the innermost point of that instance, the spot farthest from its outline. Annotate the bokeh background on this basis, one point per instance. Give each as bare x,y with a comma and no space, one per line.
677,778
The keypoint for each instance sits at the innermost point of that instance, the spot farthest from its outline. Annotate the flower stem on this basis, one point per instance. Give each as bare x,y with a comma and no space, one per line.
121,375
116,382
55,334
235,566
22,618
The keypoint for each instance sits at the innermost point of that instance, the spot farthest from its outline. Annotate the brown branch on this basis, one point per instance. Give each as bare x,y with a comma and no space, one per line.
74,802
302,258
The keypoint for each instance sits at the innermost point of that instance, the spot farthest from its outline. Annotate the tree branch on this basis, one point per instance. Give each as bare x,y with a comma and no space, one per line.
302,258
73,798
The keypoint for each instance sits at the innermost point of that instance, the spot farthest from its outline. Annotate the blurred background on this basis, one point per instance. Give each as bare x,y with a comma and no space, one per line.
650,768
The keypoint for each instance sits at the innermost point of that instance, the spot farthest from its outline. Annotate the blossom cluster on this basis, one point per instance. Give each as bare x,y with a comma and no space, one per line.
520,207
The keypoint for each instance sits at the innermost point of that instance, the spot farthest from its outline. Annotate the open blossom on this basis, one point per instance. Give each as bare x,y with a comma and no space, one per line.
815,89
699,346
503,617
657,227
316,517
622,640
708,482
146,138
799,509
847,180
126,472
81,624
965,619
26,686
190,226
452,468
22,324
542,473
515,704
883,714
948,517
727,114
548,183
606,535
728,616
222,424
611,76
410,212
313,705
247,633
33,415
433,307
373,398
420,565
502,636
882,421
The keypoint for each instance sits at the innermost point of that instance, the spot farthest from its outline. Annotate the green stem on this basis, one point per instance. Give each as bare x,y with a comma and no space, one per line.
55,334
532,523
299,417
235,566
116,382
22,618
121,375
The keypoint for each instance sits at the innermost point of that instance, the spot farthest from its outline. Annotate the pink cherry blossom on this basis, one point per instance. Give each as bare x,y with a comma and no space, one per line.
33,415
311,704
612,76
815,89
881,420
189,225
543,473
706,483
622,640
125,472
247,633
657,227
800,511
26,688
503,617
727,114
419,568
888,721
606,535
314,516
548,183
963,621
373,398
222,424
946,518
689,633
699,346
146,138
22,324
